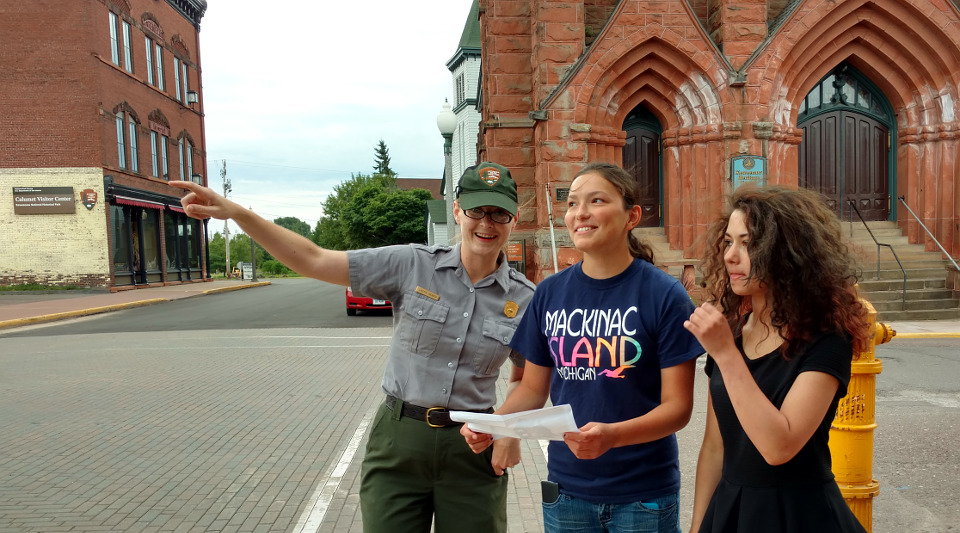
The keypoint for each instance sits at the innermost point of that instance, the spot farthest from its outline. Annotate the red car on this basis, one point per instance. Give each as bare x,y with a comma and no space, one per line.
362,302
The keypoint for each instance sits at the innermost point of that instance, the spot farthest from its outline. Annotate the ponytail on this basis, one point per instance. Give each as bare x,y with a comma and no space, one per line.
639,249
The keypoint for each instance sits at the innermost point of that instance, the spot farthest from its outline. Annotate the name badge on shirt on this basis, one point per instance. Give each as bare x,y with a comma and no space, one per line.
432,295
510,309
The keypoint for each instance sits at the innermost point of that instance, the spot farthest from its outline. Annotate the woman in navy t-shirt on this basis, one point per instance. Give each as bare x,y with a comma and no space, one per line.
606,336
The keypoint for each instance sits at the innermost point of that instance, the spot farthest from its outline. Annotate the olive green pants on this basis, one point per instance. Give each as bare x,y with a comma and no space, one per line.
414,474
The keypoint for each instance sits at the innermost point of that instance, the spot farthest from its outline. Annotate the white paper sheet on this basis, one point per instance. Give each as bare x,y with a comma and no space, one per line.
547,423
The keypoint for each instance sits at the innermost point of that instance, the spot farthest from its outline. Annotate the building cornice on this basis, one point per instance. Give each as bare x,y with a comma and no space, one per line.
193,10
462,55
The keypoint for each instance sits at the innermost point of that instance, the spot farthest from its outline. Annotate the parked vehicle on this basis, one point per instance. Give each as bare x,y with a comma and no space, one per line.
362,302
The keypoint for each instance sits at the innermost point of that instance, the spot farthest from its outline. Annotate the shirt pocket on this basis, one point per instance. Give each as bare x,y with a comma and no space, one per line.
421,324
494,346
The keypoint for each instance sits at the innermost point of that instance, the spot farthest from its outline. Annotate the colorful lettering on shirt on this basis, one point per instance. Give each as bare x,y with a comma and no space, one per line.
587,343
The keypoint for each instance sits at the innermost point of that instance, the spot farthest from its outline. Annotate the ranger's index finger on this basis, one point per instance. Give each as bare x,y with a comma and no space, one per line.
188,185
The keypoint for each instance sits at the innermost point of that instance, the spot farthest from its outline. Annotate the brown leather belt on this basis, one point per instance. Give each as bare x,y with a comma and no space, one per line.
435,417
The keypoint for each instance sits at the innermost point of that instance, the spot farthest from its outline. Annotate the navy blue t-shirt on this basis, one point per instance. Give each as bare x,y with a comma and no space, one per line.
607,341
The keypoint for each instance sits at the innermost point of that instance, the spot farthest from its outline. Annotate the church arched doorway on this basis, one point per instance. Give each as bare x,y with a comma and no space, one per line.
845,154
641,157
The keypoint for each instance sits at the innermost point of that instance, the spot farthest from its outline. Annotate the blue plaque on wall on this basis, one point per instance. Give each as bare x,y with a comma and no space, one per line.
748,169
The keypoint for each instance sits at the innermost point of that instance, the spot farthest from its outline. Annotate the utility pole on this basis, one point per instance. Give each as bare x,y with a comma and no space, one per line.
253,255
227,188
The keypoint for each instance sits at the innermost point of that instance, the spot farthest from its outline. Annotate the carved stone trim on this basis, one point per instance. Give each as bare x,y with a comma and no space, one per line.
151,24
184,134
157,117
762,130
178,45
124,107
123,5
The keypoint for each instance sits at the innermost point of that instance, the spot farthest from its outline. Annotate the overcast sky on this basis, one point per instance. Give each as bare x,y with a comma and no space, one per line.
297,94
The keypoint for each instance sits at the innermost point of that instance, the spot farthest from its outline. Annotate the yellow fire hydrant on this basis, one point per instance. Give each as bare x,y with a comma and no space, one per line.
851,434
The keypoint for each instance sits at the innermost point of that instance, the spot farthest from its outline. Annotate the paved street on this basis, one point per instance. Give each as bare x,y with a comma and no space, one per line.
196,431
263,429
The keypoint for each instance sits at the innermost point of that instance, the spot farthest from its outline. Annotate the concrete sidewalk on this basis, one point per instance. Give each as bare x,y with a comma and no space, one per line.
25,308
28,307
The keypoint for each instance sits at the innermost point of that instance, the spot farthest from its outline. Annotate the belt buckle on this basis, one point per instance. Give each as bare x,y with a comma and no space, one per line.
426,417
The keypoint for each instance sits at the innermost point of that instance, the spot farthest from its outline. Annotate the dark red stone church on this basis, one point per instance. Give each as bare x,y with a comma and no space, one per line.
856,98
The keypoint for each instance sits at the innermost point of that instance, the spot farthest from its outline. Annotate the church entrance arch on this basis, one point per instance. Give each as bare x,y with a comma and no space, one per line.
845,153
641,157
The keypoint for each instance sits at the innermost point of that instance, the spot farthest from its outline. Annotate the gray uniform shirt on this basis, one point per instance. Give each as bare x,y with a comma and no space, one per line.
450,337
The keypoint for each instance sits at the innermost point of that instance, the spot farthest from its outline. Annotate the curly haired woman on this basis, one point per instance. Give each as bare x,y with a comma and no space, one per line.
781,332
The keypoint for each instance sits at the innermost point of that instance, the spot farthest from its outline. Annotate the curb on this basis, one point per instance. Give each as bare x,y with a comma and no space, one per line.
78,313
236,287
52,317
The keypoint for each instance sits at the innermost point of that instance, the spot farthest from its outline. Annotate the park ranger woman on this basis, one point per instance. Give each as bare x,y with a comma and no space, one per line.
455,311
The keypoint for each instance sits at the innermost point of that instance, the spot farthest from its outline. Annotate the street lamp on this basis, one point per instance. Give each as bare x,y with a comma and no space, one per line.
447,124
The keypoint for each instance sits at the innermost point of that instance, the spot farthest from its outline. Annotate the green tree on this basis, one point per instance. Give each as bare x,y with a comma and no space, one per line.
377,217
218,253
240,250
381,155
329,231
273,267
294,224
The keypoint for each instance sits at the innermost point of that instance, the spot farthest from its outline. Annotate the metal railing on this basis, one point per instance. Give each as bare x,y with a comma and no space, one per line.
942,249
853,208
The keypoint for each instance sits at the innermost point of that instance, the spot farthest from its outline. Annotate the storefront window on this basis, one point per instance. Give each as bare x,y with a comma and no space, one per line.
151,239
121,239
194,236
173,256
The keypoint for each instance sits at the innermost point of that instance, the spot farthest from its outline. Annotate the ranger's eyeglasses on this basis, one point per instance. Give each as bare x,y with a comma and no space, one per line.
499,216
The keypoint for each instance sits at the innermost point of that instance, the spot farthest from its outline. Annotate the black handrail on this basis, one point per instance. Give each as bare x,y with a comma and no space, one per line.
853,207
942,249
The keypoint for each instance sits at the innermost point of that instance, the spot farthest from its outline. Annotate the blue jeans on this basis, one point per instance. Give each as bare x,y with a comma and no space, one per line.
655,515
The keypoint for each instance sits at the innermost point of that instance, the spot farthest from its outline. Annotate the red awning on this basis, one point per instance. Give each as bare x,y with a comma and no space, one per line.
125,200
177,209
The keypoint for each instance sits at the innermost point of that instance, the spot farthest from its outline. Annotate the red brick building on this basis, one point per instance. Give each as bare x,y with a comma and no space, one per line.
101,100
857,99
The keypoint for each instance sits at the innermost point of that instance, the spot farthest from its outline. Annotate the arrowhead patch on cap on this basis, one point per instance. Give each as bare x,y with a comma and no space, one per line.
490,175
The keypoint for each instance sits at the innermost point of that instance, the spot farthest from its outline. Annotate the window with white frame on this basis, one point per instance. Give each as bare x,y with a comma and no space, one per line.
186,79
134,155
150,76
158,60
189,148
127,141
127,52
176,79
164,160
183,176
114,39
121,142
158,155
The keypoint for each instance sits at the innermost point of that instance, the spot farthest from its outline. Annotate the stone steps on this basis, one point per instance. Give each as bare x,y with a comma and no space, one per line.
926,272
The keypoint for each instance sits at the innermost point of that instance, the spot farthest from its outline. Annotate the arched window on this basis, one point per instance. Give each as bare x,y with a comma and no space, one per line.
185,151
128,127
159,141
845,88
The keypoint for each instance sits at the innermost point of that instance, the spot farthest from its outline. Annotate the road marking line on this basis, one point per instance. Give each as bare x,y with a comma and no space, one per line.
948,400
317,506
928,335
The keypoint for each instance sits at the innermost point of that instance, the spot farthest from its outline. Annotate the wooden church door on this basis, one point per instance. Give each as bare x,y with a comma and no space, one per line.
641,157
845,152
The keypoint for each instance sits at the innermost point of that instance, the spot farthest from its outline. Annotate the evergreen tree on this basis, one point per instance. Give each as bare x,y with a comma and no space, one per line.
381,155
